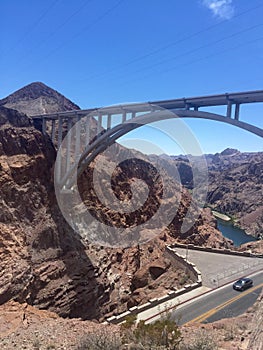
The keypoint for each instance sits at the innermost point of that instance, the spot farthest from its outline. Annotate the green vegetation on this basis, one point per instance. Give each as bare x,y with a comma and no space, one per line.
184,279
101,340
163,334
160,335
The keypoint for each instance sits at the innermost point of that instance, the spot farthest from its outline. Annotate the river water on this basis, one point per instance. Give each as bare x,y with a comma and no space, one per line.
237,235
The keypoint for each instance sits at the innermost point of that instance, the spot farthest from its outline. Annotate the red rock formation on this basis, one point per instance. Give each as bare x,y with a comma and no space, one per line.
44,263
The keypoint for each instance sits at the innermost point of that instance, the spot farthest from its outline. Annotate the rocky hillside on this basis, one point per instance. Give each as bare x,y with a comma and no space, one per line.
236,188
37,98
235,185
44,263
25,327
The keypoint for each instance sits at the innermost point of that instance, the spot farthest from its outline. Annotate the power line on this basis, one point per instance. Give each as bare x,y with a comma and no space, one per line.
194,61
32,27
200,48
174,43
86,28
54,32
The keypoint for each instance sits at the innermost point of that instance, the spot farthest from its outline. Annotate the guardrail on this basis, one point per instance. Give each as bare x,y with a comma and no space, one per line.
179,261
183,263
216,250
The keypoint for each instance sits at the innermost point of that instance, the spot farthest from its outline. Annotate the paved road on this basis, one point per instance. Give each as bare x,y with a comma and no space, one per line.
220,303
218,269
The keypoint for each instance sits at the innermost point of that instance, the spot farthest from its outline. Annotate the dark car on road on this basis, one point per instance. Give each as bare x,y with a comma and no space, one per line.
243,284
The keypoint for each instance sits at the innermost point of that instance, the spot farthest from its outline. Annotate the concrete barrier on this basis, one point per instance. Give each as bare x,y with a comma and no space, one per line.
179,261
215,250
182,263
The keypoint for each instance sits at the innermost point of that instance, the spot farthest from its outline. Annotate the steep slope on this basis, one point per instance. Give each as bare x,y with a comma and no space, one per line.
24,325
235,185
236,188
44,263
37,98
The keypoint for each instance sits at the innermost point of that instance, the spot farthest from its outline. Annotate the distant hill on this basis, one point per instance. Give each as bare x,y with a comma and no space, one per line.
37,98
235,184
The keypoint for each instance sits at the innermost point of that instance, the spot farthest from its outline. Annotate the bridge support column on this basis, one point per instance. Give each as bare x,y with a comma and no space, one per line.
99,127
124,117
69,126
53,131
108,121
237,109
77,141
44,126
87,130
229,109
60,126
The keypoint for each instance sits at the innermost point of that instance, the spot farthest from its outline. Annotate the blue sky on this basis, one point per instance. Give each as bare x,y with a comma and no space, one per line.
103,52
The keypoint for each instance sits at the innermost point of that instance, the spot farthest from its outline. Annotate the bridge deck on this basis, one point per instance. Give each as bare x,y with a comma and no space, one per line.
181,103
214,100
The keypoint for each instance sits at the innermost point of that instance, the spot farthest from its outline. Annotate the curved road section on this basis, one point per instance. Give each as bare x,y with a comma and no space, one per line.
223,302
218,269
216,299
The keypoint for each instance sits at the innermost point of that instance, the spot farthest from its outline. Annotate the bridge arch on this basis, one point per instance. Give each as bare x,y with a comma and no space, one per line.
66,186
109,136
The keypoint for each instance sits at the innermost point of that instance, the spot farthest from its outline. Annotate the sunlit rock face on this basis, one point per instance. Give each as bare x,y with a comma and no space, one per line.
37,98
235,185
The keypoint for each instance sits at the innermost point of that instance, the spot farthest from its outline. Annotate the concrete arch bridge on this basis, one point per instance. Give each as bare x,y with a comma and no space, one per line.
101,127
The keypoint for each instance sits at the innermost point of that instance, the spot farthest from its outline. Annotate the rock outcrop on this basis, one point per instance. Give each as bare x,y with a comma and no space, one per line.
42,261
37,98
236,188
235,185
23,326
46,264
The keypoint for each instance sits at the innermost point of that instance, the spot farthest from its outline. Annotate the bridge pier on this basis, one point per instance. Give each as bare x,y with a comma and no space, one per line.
53,130
60,130
237,109
77,140
124,117
108,121
99,125
229,109
87,130
69,126
44,126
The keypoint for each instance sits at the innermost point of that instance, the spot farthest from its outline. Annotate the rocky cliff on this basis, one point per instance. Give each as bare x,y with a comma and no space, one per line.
44,263
236,188
235,185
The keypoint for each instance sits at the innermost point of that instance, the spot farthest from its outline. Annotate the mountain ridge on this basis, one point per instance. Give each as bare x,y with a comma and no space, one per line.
38,98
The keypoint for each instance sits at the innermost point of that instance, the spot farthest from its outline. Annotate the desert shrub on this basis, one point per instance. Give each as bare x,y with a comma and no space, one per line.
162,334
101,340
230,332
184,279
130,322
201,341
